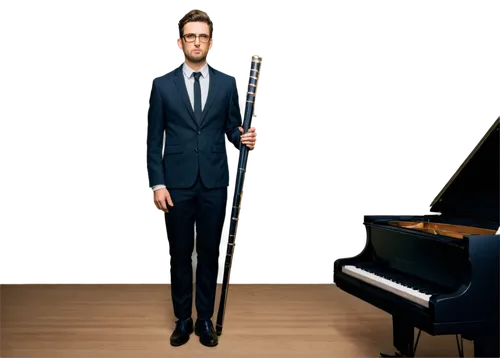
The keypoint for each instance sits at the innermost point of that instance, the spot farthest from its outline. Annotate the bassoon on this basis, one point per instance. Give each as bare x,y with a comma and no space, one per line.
238,189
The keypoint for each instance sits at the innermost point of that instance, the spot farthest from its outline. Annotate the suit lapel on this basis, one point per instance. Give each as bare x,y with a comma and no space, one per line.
212,91
181,88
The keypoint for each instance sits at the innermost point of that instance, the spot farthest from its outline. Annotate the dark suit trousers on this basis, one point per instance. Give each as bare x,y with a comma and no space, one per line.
205,207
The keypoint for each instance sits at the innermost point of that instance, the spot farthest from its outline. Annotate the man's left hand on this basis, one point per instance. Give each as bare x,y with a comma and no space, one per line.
249,138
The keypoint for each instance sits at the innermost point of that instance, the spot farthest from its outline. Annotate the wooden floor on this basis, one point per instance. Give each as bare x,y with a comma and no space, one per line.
313,321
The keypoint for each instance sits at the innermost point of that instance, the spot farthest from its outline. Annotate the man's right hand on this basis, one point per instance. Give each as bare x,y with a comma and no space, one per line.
161,198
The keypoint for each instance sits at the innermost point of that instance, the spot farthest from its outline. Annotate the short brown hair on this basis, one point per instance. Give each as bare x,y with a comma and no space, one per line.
194,16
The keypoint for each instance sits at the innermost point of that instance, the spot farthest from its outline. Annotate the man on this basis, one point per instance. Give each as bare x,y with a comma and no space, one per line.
194,106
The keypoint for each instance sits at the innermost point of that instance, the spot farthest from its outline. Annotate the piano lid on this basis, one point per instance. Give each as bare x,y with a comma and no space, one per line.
473,191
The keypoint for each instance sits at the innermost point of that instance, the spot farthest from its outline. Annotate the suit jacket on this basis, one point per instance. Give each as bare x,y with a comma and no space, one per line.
191,147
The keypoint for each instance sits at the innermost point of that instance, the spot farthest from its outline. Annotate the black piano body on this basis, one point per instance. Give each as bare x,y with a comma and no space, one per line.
429,280
461,276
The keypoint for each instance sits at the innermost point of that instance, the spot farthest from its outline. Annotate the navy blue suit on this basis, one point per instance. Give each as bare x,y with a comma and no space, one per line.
194,169
190,146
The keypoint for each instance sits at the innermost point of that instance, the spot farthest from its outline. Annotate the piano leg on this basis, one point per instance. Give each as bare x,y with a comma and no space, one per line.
487,345
402,335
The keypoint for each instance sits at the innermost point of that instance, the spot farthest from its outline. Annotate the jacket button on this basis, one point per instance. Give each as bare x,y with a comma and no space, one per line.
199,132
196,150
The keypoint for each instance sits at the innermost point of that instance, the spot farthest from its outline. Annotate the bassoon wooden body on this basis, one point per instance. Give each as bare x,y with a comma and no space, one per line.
238,189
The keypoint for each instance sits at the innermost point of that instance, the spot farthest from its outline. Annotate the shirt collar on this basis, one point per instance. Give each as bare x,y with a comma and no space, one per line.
188,71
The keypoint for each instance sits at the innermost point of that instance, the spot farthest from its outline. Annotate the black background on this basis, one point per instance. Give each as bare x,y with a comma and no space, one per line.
360,116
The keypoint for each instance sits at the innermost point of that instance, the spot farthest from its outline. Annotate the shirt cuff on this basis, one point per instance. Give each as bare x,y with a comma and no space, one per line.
159,186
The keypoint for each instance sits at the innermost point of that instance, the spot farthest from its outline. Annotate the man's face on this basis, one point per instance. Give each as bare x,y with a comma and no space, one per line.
196,51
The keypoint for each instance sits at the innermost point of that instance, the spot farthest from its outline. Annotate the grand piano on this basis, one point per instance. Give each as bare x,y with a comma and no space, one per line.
437,273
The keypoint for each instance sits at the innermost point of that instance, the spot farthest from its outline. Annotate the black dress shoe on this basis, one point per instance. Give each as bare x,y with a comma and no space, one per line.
180,335
205,330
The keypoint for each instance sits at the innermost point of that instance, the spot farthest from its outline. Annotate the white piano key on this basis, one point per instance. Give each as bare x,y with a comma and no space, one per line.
411,294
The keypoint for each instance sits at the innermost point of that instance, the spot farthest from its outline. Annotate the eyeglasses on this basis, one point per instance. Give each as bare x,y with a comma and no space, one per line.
192,37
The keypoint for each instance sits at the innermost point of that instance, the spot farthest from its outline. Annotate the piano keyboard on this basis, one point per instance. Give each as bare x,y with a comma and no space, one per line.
399,289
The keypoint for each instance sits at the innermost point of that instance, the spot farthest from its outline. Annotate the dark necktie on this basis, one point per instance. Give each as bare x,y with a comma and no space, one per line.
197,96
